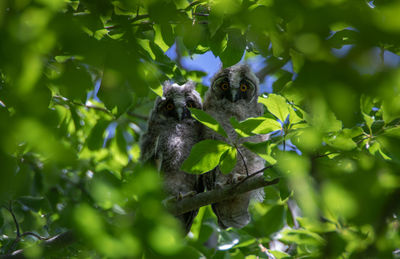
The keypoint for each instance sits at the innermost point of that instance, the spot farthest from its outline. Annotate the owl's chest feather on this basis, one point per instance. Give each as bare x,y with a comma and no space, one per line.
177,144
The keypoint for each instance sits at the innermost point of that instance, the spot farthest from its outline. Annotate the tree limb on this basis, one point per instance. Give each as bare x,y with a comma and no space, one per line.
51,244
218,195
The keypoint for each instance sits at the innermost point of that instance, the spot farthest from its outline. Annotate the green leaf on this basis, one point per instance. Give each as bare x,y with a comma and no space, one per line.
95,138
251,126
158,39
297,60
394,132
276,105
279,255
234,50
273,220
167,33
208,121
33,203
262,149
205,156
368,120
366,104
215,21
301,237
376,149
75,81
391,109
228,160
267,126
277,45
340,141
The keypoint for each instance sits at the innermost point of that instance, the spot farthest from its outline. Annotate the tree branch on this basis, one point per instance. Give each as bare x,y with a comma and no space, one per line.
51,244
218,195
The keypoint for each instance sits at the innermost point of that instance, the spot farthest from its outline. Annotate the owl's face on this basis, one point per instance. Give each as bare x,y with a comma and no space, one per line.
235,83
176,101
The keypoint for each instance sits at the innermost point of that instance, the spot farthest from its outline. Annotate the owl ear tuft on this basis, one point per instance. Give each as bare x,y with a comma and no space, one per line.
191,85
166,86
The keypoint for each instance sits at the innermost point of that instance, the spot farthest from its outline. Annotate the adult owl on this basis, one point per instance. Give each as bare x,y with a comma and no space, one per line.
233,93
169,138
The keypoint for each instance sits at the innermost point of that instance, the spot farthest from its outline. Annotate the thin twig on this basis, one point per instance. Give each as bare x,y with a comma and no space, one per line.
244,162
193,4
254,174
324,155
201,14
68,101
10,209
48,244
35,235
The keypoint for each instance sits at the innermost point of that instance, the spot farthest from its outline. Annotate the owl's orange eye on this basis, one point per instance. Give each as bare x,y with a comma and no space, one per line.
243,87
170,106
224,86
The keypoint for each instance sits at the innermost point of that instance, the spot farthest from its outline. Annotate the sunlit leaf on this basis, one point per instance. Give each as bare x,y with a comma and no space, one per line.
208,120
228,160
276,105
205,156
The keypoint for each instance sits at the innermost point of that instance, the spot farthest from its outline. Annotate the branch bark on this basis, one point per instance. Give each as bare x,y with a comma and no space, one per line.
218,195
202,199
59,241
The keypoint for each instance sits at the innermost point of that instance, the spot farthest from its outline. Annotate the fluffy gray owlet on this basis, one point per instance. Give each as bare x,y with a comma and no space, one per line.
170,135
233,93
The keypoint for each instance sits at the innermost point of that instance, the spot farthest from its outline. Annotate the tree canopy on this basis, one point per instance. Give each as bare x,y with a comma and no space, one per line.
78,79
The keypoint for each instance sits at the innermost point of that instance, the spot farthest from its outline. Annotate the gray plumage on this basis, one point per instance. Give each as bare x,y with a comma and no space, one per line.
169,138
233,93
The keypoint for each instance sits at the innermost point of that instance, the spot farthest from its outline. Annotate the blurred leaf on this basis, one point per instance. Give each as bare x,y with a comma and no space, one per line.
234,49
301,237
215,21
95,139
297,60
272,221
340,141
75,81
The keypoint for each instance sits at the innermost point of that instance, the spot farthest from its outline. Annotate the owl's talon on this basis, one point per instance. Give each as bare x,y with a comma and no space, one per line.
168,200
188,194
218,186
240,178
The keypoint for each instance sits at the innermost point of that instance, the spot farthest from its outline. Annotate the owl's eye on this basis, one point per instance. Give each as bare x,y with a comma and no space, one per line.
190,104
169,106
243,87
224,86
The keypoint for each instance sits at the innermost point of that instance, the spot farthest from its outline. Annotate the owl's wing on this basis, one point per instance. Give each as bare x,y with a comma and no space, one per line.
149,147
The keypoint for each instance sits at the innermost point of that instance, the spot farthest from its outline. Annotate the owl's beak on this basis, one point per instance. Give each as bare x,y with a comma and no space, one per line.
183,113
235,95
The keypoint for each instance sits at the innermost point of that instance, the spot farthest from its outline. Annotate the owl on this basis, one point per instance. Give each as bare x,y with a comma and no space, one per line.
169,138
233,93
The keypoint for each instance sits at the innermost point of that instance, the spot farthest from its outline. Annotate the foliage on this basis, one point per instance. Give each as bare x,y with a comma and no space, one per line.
78,79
